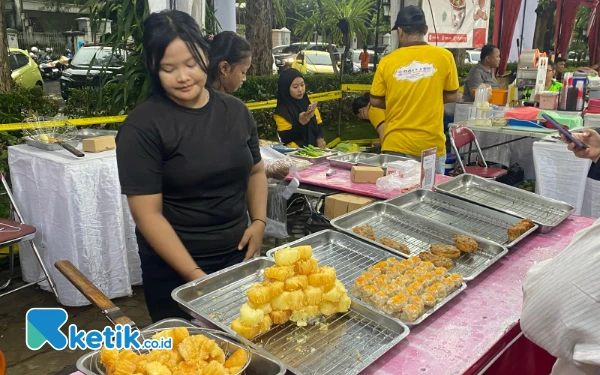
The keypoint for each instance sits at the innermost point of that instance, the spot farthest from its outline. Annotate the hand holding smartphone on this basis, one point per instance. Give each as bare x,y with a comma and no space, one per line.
561,129
311,107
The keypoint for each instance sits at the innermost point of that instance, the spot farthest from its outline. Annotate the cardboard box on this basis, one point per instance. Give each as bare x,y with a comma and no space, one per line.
340,204
365,175
99,144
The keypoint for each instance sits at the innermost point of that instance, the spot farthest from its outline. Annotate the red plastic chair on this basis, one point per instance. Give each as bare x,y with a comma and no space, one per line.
461,136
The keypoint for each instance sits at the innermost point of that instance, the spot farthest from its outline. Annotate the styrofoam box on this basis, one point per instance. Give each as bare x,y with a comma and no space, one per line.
591,121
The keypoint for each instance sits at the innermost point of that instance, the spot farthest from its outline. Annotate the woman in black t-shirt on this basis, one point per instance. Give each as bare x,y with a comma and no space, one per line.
190,165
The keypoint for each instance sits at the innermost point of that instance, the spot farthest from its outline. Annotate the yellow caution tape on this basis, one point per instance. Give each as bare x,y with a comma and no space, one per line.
351,87
317,97
334,143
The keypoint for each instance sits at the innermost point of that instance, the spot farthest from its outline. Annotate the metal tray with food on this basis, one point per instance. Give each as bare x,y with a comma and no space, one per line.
346,161
545,212
340,344
316,159
90,363
418,234
91,133
474,219
48,146
351,257
382,161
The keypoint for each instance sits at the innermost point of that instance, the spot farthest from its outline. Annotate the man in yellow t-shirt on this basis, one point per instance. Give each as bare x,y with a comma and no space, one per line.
363,109
412,84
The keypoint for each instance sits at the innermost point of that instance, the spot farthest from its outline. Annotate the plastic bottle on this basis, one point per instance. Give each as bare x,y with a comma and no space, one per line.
579,86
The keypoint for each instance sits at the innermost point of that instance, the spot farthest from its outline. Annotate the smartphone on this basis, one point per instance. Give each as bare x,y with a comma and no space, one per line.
311,107
561,129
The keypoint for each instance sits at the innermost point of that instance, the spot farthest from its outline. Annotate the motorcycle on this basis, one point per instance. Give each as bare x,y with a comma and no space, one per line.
53,69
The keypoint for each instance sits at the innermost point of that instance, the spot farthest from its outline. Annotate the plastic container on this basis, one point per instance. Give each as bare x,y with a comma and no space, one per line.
591,120
498,97
548,100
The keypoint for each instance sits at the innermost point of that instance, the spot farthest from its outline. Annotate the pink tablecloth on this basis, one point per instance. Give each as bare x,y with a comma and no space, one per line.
454,338
315,175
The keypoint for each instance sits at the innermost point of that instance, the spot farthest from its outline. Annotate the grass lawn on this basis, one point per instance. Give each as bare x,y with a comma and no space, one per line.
355,129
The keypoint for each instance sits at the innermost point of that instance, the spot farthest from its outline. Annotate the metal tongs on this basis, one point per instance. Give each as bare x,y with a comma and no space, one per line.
98,299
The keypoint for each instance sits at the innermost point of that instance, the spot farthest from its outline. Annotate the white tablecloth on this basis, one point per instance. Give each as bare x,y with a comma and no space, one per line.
80,215
560,174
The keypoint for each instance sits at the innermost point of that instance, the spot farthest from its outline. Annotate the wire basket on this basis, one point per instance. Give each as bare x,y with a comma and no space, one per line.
227,342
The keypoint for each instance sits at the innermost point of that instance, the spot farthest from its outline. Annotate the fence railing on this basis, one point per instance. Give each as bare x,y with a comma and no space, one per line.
52,39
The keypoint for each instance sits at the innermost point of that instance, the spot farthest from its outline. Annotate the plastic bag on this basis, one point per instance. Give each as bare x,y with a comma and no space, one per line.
277,212
402,176
404,169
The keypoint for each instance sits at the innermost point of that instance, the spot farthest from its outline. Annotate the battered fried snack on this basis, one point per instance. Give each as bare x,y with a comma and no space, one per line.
152,368
325,276
446,251
465,243
237,359
437,261
335,294
275,287
313,295
259,294
244,331
365,231
521,228
281,302
280,316
265,325
306,267
279,272
305,252
251,317
296,300
287,256
328,308
214,368
344,304
394,245
265,307
295,283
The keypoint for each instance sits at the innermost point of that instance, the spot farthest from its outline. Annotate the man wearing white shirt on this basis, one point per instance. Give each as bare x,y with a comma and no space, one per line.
561,296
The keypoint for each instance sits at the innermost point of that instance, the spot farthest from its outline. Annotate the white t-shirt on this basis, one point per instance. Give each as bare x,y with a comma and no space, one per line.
561,305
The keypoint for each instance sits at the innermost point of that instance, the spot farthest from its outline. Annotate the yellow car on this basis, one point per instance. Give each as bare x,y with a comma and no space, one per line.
313,62
23,70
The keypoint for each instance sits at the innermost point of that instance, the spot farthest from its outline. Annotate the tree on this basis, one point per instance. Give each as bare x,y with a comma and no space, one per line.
544,25
258,34
5,79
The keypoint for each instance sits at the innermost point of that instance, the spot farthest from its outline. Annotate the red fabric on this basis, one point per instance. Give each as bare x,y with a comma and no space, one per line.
504,28
566,27
594,36
485,172
523,113
520,357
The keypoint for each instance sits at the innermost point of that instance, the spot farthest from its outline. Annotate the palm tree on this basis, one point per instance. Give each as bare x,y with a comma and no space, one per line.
350,17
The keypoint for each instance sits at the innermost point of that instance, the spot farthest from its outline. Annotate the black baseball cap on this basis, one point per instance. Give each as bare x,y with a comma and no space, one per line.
410,16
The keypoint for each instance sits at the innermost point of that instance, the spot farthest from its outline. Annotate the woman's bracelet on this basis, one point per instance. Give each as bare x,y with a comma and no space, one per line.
261,220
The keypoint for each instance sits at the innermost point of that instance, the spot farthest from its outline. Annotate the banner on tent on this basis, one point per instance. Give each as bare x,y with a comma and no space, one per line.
457,23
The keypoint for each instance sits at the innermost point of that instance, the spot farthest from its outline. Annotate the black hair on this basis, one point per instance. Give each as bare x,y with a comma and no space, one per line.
365,47
361,102
420,29
226,46
486,51
552,64
561,59
160,29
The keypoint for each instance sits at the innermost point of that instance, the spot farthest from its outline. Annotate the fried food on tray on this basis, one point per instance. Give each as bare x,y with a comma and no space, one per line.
446,251
365,231
287,256
411,312
394,245
190,355
438,261
458,280
428,300
296,289
519,229
279,272
259,294
465,243
396,304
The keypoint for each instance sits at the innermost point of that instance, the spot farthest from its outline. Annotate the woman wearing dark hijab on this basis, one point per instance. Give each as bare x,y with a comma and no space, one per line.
298,122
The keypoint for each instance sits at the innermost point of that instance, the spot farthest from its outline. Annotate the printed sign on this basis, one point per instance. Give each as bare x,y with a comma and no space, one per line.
414,71
458,23
428,159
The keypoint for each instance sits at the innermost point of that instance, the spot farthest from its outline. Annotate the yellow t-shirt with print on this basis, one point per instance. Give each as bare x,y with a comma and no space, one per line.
376,116
412,79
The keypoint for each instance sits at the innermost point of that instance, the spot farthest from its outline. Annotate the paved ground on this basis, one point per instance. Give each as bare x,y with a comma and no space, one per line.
52,87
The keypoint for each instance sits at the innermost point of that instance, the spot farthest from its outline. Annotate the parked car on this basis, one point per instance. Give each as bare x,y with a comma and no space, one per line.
90,67
285,56
473,56
23,70
313,62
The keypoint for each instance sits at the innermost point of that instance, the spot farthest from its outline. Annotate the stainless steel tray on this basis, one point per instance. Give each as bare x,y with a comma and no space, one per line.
91,133
382,161
346,161
545,212
471,218
318,160
351,257
48,146
351,342
259,364
419,233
